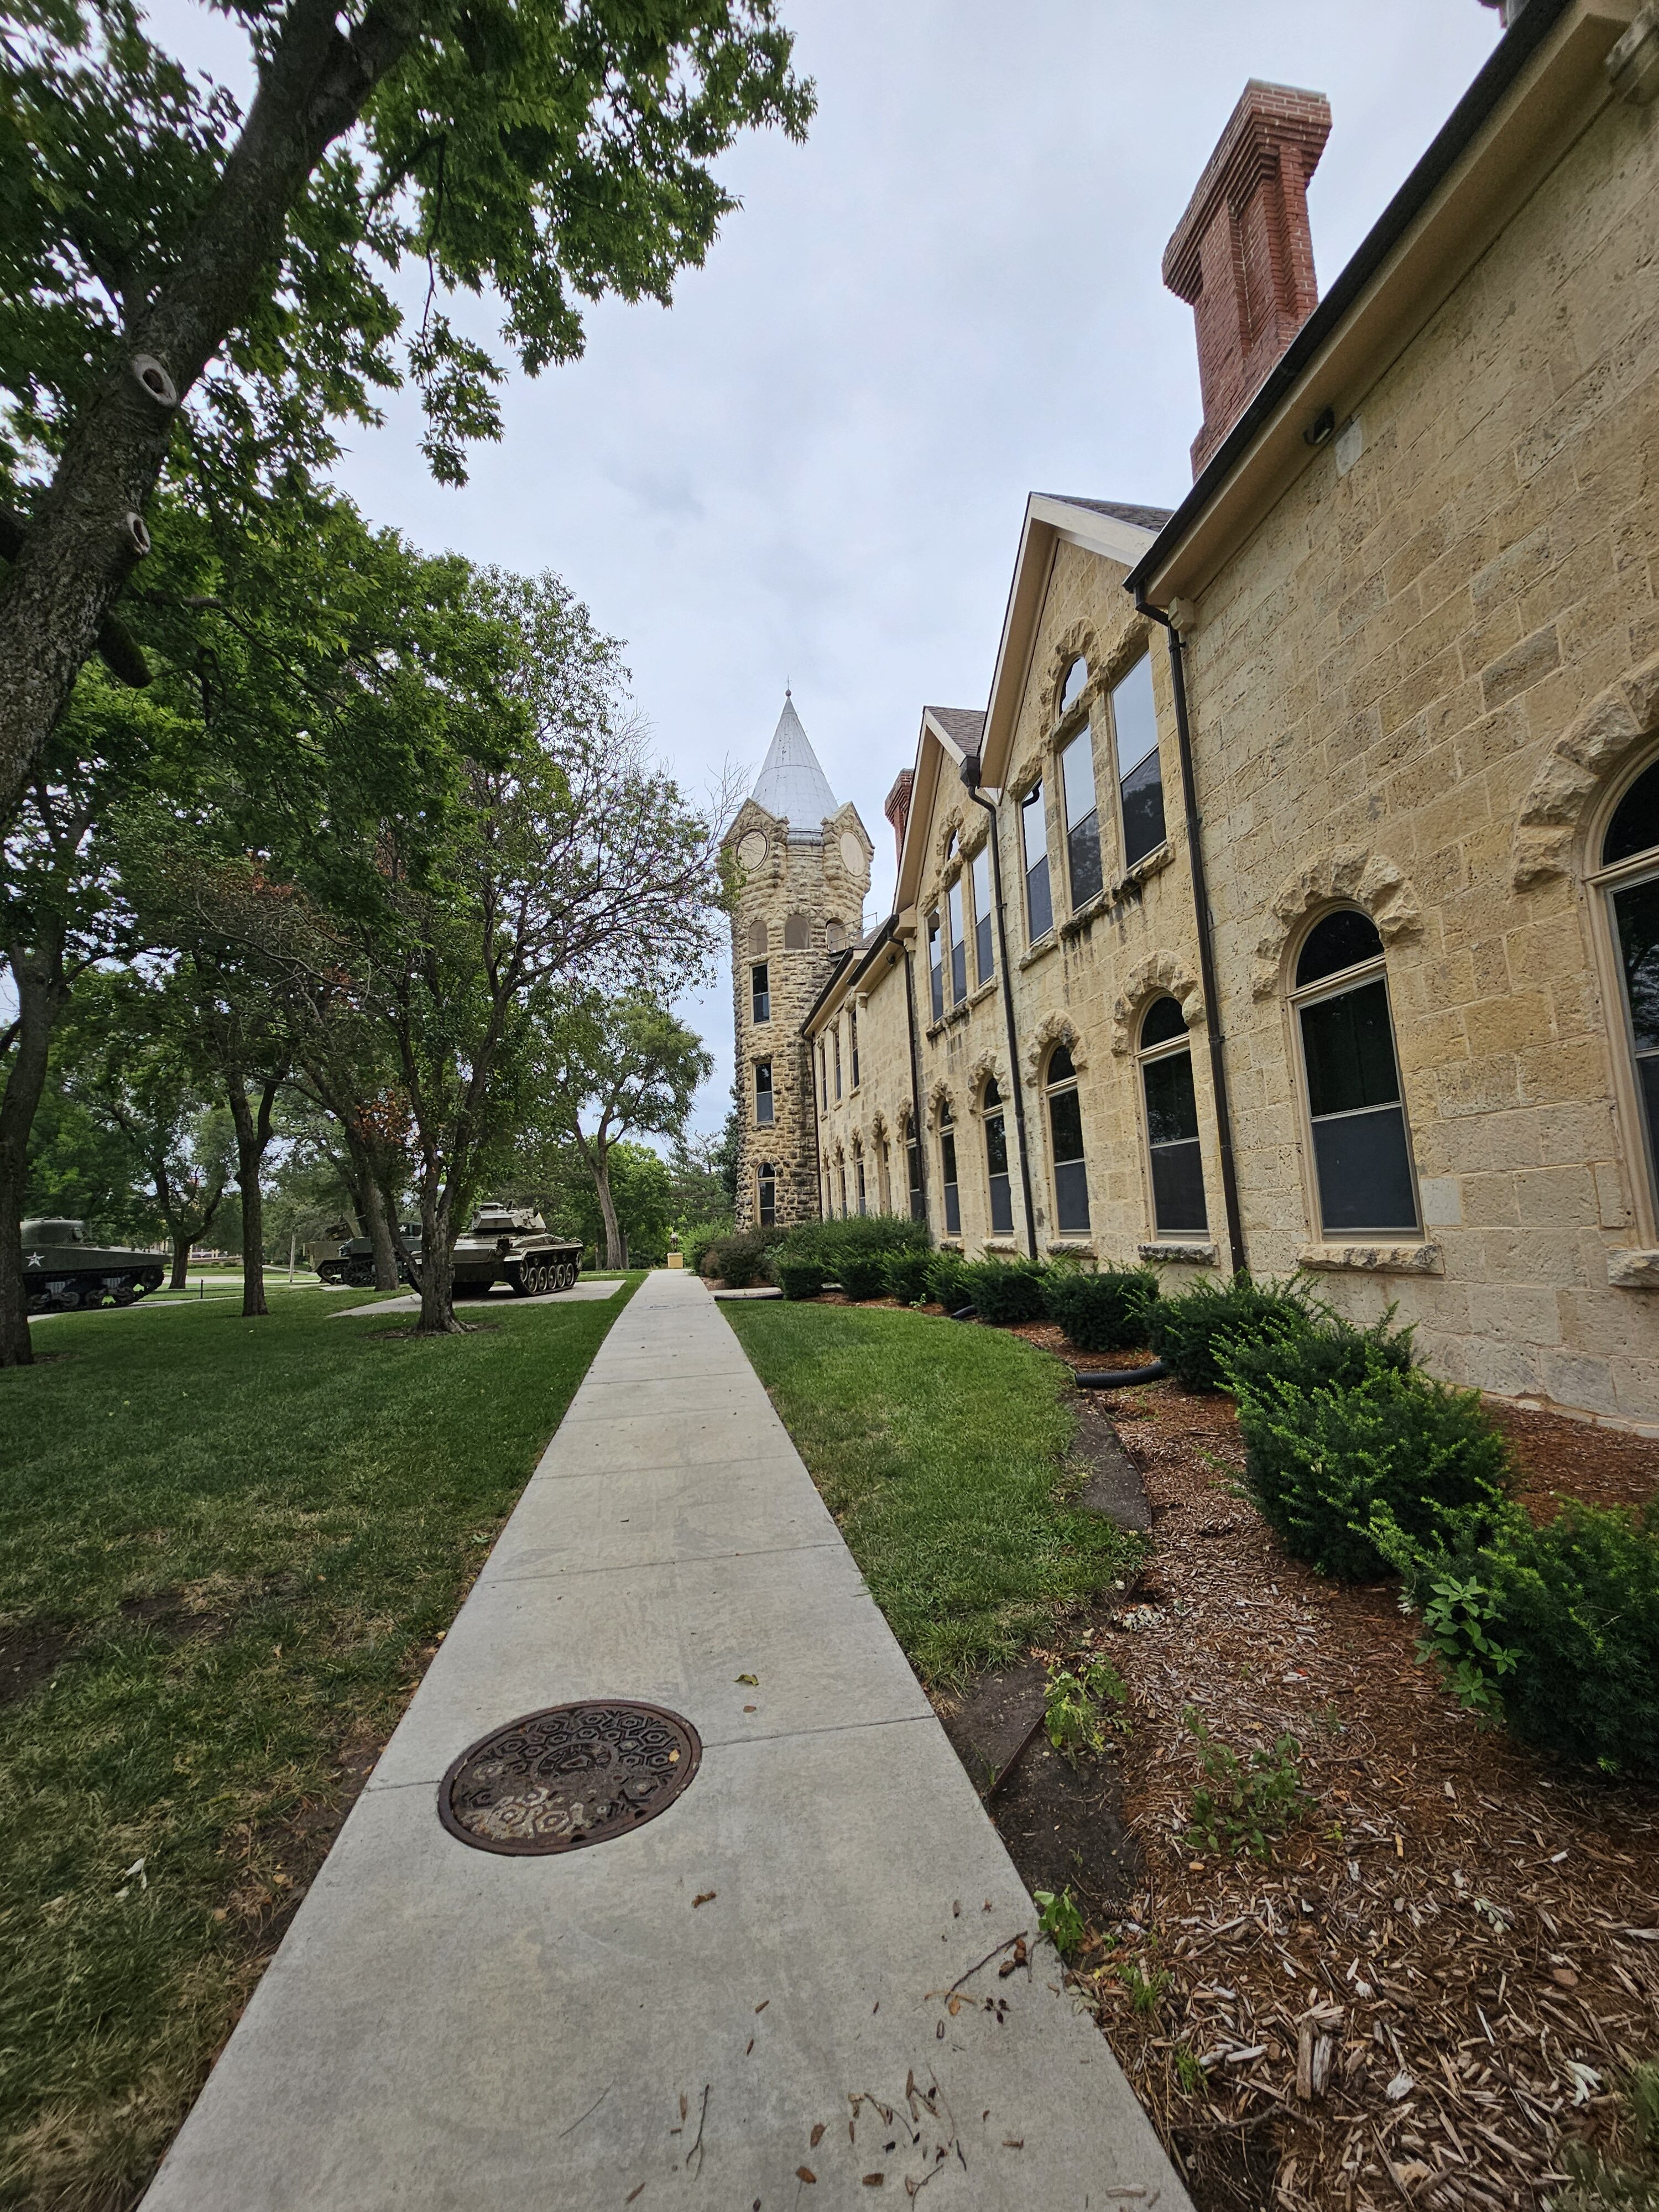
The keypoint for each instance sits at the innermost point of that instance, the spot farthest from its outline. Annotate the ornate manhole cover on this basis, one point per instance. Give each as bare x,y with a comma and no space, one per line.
573,1775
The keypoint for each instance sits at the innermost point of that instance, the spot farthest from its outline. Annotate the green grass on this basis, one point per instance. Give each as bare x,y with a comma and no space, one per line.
941,1452
240,1541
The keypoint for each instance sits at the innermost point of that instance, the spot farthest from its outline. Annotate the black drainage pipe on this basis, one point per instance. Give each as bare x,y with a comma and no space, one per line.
1114,1378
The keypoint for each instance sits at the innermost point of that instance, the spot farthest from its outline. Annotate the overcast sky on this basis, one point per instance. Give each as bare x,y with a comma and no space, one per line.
813,467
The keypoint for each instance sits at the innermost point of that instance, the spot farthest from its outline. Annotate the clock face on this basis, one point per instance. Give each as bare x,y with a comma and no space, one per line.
751,849
852,853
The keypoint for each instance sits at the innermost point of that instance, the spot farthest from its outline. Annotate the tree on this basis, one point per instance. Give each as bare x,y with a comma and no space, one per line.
696,1174
611,1068
153,233
641,1196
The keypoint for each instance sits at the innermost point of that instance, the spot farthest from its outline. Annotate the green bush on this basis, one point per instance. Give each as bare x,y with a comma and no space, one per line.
1331,1354
835,1245
1003,1291
1321,1459
798,1278
863,1274
906,1276
1555,1628
1107,1312
1191,1332
945,1285
741,1260
695,1241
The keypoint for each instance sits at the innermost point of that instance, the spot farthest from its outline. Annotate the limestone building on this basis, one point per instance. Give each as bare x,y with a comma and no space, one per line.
802,865
1293,900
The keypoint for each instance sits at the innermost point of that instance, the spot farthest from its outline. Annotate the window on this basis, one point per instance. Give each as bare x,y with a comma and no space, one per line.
1631,849
1166,1075
1362,1162
840,1177
884,1177
762,1093
852,1041
758,946
760,991
947,1162
797,934
1072,689
858,1172
984,953
836,1034
1039,904
958,944
935,969
1077,782
766,1195
913,1167
1140,787
1065,1133
823,1075
996,1162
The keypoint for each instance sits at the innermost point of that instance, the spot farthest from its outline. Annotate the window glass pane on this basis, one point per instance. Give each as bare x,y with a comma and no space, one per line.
947,1153
1178,1207
759,986
993,1093
935,972
1072,691
1637,911
1076,774
860,1176
1171,1107
1083,859
984,957
1071,1196
913,1159
1039,907
1134,717
1060,1069
1635,824
1341,940
1065,1119
1162,1021
958,948
1349,1049
996,1145
1142,792
763,1090
1002,1206
1365,1172
1033,828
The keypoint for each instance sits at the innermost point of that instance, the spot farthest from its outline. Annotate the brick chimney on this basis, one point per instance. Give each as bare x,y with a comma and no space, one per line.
896,806
1243,253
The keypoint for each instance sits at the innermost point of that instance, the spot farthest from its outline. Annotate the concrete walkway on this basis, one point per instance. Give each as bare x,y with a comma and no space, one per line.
588,1286
769,1995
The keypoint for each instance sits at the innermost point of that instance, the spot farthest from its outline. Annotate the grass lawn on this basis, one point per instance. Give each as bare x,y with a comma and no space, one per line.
941,1452
227,1549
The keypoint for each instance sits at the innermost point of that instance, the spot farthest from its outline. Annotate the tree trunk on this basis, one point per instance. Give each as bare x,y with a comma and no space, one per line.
437,1277
181,1250
38,979
252,1140
379,1235
613,1237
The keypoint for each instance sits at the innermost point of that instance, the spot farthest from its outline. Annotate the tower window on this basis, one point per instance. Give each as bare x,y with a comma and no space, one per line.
984,955
996,1161
935,969
958,944
1139,784
766,1195
1065,1134
797,934
1362,1160
762,1094
1166,1075
947,1166
1077,777
1034,830
758,946
760,991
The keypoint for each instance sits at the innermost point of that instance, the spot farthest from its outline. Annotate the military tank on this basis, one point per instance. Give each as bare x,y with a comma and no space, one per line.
512,1245
356,1262
63,1269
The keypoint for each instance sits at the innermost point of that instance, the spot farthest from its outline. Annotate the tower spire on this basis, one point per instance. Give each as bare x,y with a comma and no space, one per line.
791,783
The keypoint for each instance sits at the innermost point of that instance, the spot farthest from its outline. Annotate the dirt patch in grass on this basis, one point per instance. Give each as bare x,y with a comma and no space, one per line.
29,1653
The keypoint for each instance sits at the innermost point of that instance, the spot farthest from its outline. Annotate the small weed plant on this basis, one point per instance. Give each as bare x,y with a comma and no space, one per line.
1146,1991
1080,1703
1242,1804
1059,1920
1194,2082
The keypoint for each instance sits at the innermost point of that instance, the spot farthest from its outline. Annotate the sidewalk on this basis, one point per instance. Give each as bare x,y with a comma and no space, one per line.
744,2003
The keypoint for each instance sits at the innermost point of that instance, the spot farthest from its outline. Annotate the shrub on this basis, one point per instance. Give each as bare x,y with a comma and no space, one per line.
906,1276
1106,1312
1005,1290
1191,1332
863,1274
695,1241
1556,1628
836,1245
1321,1461
799,1278
946,1287
742,1259
1331,1354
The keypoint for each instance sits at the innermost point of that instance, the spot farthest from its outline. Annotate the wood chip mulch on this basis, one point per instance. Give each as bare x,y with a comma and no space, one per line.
1446,1962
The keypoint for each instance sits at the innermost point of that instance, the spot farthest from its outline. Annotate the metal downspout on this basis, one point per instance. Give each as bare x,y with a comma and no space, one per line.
1014,1082
1205,943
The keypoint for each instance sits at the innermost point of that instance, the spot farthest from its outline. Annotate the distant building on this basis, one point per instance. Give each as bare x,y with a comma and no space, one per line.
1294,902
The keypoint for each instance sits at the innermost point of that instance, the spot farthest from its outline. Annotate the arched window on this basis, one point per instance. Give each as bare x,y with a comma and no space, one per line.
1065,1133
913,1172
1362,1159
1630,882
1166,1075
857,1177
840,1178
996,1160
1071,689
758,945
797,934
1140,779
763,1115
760,989
766,1195
947,1170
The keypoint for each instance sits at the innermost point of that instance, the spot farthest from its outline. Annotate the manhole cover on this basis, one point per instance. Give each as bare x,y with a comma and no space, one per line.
573,1775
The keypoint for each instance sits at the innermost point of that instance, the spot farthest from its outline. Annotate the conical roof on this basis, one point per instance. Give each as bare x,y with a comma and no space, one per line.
791,783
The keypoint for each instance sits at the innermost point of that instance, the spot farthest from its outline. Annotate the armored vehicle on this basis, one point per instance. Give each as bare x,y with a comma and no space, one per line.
512,1245
63,1269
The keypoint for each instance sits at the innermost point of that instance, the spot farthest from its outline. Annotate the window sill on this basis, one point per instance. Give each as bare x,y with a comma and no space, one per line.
1629,1270
1190,1255
1081,1246
1001,1244
1149,863
1374,1259
1044,945
980,992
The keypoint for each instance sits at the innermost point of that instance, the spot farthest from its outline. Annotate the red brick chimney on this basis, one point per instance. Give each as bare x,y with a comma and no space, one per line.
1243,253
896,806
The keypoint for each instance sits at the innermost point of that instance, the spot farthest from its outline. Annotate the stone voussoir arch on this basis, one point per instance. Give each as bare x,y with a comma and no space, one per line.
1053,1029
1079,637
1353,873
1576,770
938,1097
985,1066
1161,974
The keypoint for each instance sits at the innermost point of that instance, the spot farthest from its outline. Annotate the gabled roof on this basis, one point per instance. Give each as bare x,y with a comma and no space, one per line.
963,725
791,783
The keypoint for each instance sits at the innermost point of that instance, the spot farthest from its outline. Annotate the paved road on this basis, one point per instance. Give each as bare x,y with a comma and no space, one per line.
768,1995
